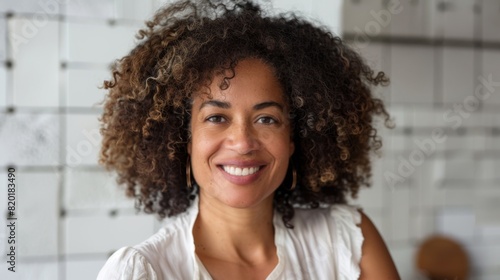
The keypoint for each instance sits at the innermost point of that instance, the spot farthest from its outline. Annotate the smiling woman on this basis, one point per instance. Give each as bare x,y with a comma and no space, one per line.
241,138
248,131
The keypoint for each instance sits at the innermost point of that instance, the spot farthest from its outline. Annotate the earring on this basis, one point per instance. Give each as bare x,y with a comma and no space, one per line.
188,173
294,178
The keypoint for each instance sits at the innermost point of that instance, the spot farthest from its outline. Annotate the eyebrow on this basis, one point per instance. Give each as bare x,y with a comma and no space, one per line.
227,105
216,103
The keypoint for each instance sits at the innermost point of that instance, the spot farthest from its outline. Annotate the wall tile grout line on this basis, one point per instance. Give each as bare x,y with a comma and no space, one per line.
62,151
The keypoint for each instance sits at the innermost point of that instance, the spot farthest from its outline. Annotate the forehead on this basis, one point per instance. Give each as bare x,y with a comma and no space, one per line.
252,79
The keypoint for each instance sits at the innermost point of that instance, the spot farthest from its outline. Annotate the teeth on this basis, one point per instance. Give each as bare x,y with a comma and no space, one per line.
240,171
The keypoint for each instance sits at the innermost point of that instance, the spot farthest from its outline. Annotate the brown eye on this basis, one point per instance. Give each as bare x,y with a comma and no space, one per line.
266,120
216,119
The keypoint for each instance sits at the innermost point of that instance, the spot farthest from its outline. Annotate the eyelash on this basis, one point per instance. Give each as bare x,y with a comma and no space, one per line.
273,121
210,119
221,119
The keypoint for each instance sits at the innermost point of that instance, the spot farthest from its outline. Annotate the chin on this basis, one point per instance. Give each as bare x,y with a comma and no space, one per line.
244,199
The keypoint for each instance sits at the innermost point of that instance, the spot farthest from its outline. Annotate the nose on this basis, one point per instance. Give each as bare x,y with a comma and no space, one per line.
243,138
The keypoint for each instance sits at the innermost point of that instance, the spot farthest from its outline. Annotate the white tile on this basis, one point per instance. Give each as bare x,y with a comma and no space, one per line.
132,9
370,197
488,168
428,145
38,213
329,13
40,270
485,257
465,143
403,256
488,233
396,142
84,269
29,139
487,201
36,76
396,175
363,19
116,41
83,87
42,7
473,118
490,78
490,20
94,190
493,143
373,55
159,3
493,275
83,140
376,194
400,115
422,224
426,117
412,20
461,197
412,74
3,86
3,41
91,8
460,167
400,214
457,19
458,81
426,185
104,234
457,222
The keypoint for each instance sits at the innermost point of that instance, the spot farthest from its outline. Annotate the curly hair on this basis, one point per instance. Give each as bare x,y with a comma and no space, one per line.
145,123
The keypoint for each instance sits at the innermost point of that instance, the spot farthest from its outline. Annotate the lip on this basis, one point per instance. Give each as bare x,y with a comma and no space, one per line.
242,180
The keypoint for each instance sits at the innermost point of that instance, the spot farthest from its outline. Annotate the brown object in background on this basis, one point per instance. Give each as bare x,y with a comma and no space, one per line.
442,258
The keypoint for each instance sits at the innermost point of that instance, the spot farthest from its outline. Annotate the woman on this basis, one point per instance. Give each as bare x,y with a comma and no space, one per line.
248,131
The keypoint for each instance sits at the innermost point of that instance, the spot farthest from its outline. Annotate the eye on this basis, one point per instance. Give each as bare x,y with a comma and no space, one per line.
266,120
216,119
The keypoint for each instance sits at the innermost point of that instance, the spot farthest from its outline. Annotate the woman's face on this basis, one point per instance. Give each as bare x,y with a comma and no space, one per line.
241,138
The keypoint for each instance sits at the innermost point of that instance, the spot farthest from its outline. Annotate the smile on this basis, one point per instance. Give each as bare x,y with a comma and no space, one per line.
238,171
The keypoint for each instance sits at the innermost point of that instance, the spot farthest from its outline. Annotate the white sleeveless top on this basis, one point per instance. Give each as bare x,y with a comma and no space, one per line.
325,244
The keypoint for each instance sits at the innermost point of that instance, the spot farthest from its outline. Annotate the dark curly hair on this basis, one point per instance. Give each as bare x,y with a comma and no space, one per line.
145,124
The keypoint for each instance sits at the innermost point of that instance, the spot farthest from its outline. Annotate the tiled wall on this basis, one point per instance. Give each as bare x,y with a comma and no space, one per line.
54,54
439,172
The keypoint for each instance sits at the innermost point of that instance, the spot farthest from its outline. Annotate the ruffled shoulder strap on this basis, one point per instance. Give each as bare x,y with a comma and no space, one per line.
349,239
127,264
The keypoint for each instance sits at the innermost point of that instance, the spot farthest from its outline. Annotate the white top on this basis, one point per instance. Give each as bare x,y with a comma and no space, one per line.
325,243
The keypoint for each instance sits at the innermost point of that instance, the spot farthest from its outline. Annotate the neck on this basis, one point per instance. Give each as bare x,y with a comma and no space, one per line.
233,234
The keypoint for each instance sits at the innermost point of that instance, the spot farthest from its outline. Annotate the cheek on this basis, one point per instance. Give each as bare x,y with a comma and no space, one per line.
203,145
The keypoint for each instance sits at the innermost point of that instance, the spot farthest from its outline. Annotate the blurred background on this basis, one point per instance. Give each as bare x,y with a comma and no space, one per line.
439,172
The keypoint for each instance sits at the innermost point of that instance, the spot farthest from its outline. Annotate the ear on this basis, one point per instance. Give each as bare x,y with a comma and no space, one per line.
292,148
189,148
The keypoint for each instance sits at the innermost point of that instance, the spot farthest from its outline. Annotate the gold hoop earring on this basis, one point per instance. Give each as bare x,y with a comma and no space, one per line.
294,178
188,173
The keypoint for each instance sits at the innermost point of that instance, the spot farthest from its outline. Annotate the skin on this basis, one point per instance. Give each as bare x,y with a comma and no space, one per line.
246,125
376,261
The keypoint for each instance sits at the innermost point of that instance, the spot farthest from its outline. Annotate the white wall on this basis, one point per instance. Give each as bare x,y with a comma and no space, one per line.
72,216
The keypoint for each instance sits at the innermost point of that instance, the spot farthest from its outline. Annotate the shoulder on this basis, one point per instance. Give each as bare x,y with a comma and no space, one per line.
360,249
338,228
343,217
376,261
152,258
174,235
127,264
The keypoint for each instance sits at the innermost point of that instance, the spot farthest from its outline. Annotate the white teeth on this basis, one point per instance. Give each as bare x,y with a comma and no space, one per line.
236,171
